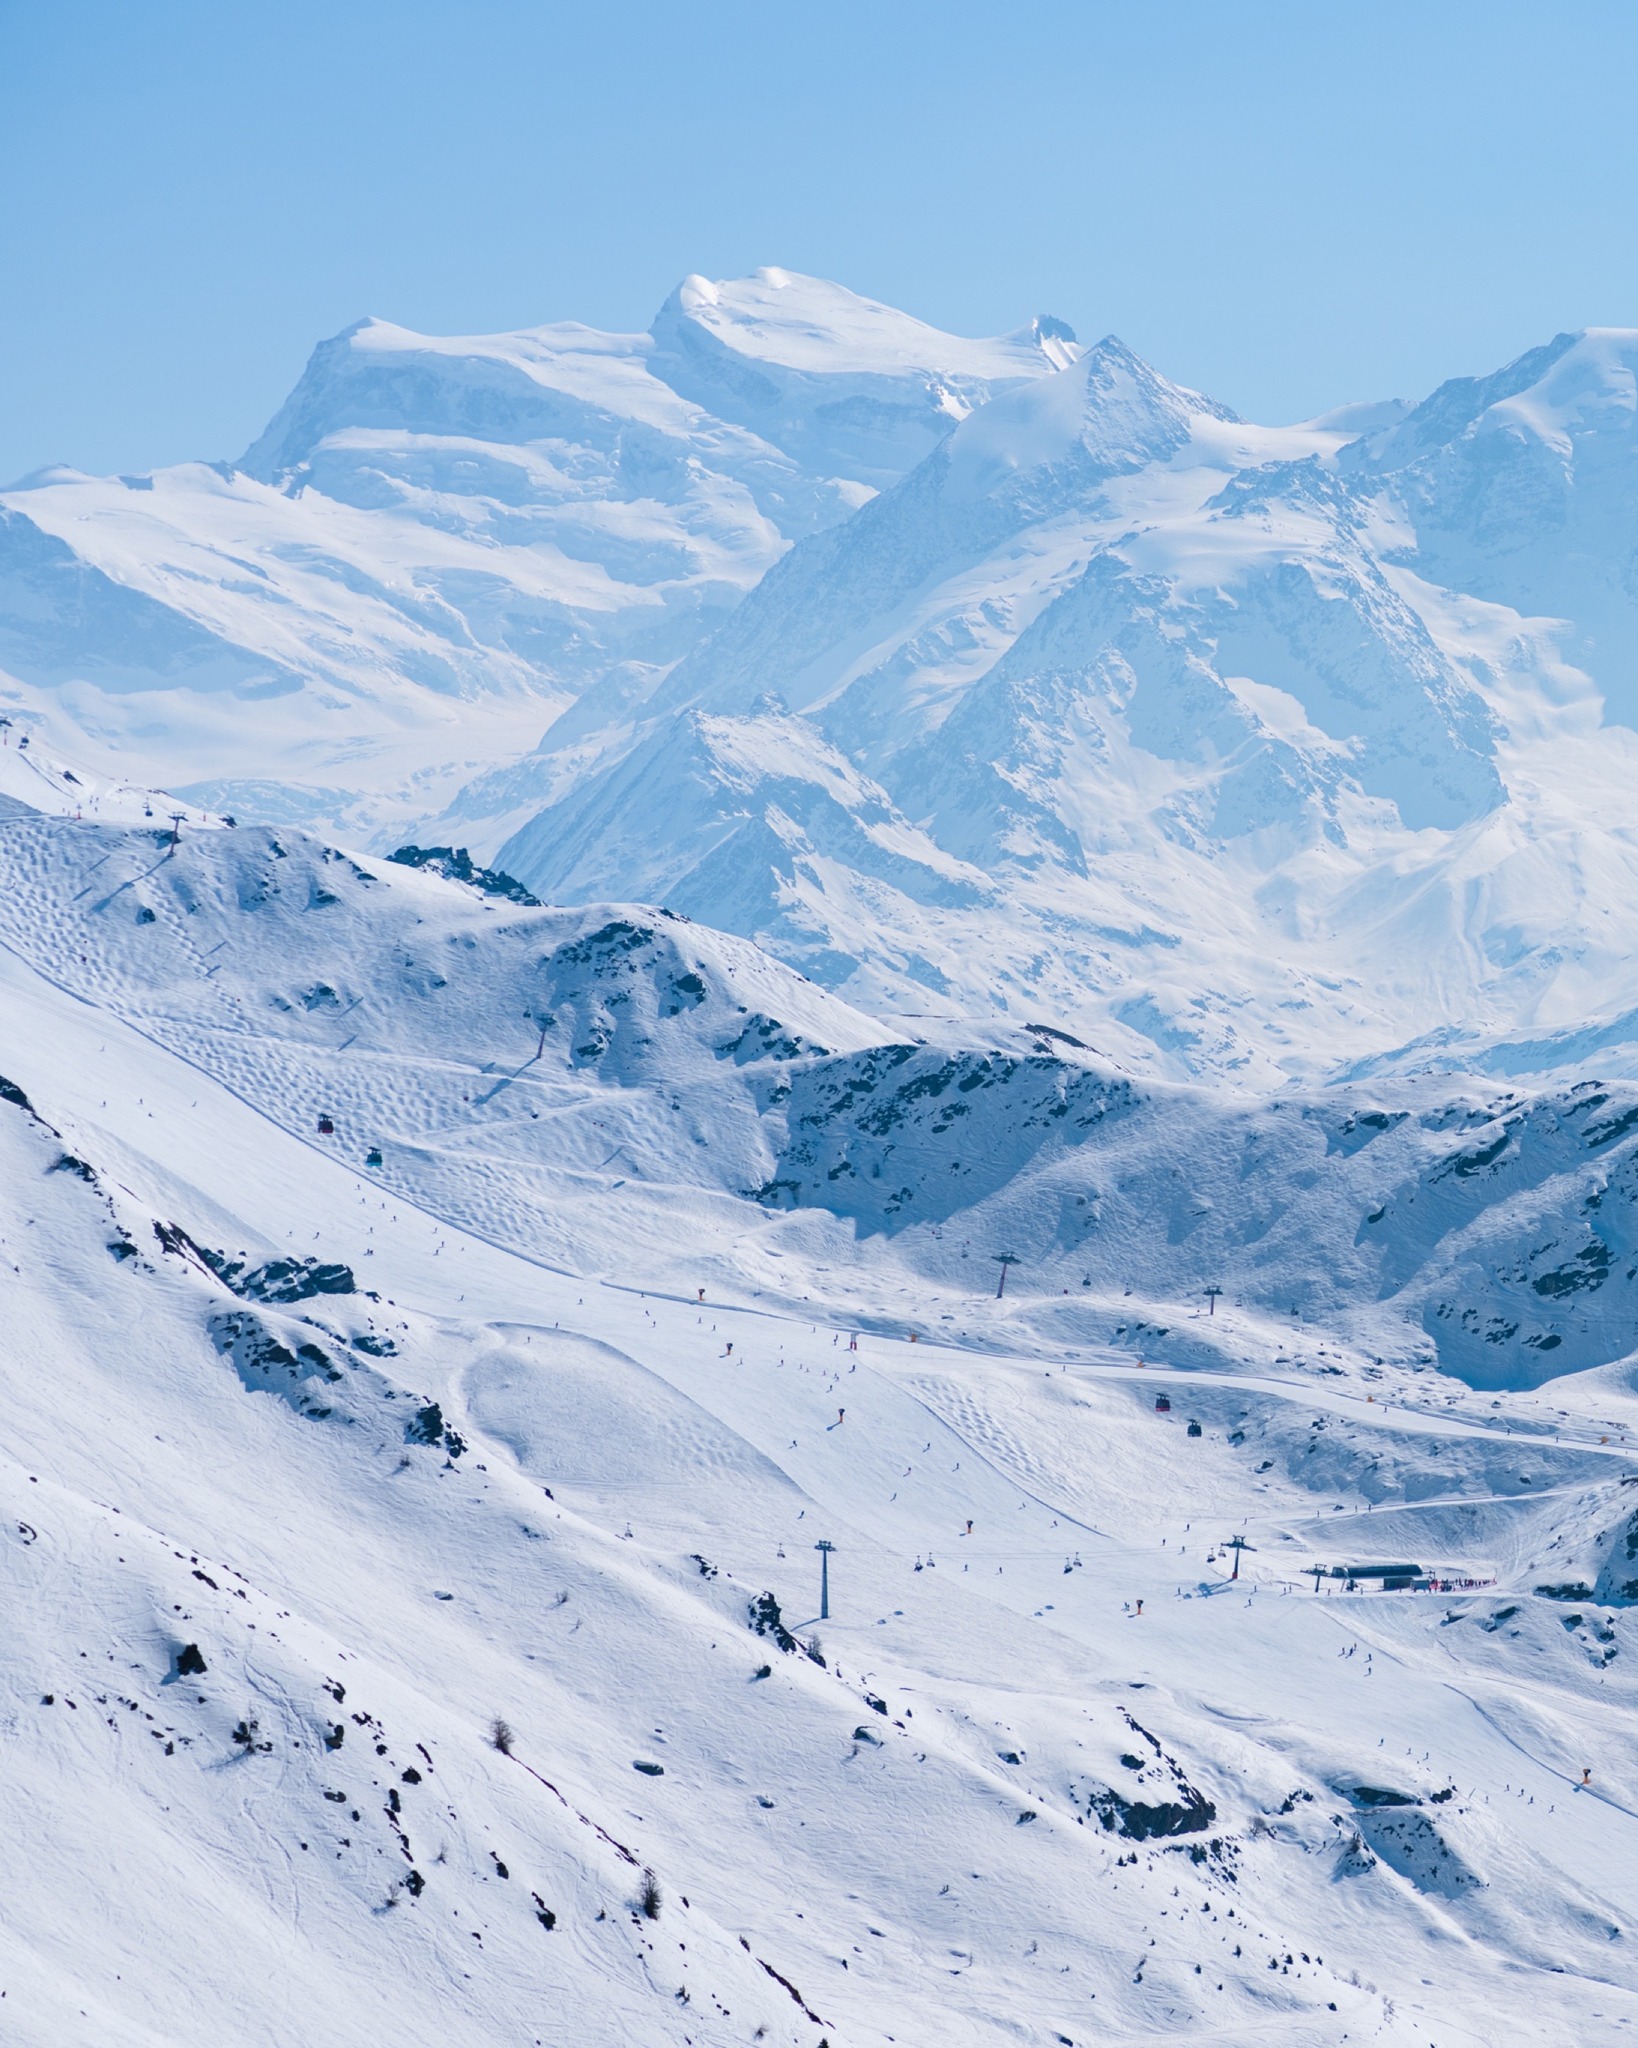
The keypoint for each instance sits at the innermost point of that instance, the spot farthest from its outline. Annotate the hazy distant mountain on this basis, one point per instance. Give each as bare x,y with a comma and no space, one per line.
977,678
1231,780
438,544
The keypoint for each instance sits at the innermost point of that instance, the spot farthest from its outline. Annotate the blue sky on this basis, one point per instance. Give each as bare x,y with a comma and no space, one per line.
1289,205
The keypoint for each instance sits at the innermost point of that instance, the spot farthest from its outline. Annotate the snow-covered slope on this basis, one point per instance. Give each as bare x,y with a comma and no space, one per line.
843,384
440,543
316,1468
514,1068
1520,488
39,778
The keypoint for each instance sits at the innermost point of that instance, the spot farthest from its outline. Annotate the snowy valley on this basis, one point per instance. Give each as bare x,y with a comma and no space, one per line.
624,954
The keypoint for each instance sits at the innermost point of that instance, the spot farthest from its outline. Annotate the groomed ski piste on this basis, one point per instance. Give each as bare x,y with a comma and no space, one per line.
439,1331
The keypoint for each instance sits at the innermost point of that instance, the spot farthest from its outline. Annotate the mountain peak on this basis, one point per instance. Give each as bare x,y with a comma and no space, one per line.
835,380
1108,402
783,320
1550,393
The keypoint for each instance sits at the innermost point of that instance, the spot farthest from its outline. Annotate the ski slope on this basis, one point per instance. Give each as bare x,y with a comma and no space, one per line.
1004,1807
516,1069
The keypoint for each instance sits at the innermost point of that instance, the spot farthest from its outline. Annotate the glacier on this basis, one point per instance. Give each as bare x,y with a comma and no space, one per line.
1254,793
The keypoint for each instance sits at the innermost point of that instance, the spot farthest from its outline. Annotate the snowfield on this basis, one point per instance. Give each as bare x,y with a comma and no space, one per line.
625,958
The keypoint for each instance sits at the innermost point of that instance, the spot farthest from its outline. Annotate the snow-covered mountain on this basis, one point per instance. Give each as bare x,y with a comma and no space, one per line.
438,544
983,681
1520,489
1206,740
1052,965
513,1067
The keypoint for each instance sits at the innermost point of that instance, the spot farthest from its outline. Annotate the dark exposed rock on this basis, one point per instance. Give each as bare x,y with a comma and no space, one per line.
426,1426
1141,1821
767,1621
455,864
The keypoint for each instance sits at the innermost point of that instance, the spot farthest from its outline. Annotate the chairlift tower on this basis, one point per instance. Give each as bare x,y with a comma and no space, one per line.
1237,1544
1004,1260
824,1547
